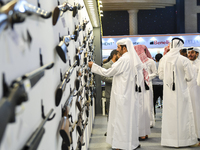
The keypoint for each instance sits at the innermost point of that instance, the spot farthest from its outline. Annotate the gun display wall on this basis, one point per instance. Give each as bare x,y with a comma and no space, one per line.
47,91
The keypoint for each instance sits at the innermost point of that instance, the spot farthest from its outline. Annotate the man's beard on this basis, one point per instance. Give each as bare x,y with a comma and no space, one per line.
193,58
116,58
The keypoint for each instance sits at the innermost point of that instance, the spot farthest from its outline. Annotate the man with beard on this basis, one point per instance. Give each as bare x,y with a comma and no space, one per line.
178,126
114,56
193,54
194,88
122,131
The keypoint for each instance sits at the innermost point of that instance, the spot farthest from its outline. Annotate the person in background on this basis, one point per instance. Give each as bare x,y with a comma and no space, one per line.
144,95
157,84
183,52
114,56
122,131
194,89
193,54
166,49
178,126
152,72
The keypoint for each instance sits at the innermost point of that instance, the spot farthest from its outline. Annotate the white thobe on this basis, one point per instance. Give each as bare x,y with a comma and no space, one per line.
196,62
144,117
178,127
194,93
152,71
198,77
122,131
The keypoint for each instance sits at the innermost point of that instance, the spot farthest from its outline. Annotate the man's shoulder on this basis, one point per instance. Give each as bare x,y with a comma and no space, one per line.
108,64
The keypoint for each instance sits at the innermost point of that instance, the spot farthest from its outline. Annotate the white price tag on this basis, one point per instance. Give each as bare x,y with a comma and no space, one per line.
63,22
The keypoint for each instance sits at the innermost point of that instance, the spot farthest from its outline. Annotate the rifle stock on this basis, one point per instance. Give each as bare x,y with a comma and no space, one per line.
59,11
66,144
61,48
76,8
18,94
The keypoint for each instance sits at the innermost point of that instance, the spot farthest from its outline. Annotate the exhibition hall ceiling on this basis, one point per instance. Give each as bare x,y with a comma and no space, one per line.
118,5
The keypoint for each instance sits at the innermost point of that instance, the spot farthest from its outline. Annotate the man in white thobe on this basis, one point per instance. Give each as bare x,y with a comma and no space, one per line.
193,87
192,54
144,97
122,131
178,127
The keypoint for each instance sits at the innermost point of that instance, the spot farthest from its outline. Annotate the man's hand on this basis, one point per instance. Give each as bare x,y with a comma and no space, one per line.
90,64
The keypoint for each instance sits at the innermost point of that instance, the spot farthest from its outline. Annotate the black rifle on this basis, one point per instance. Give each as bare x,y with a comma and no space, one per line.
16,94
60,10
80,139
61,87
20,10
34,141
61,48
65,123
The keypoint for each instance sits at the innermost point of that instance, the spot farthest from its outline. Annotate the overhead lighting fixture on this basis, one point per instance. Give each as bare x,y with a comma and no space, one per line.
101,15
140,39
100,2
101,5
153,39
197,37
93,12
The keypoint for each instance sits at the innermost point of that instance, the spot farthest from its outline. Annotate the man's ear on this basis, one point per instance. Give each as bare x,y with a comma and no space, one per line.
197,54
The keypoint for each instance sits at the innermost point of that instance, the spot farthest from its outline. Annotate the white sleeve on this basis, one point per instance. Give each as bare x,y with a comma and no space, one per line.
153,70
161,69
116,69
198,78
189,74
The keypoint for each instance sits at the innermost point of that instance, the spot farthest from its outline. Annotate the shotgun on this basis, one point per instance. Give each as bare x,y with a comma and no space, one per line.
61,87
65,123
35,139
80,139
16,94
